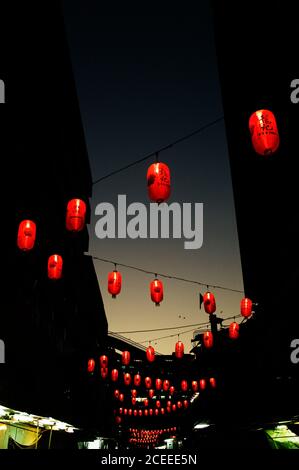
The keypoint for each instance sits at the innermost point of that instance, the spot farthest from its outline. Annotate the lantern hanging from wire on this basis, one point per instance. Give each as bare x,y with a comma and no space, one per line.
156,289
26,235
158,182
264,132
75,215
114,283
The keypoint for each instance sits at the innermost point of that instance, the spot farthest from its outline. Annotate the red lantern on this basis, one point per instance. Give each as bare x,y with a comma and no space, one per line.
121,397
104,361
158,403
202,384
151,393
158,182
171,390
114,283
133,401
55,264
213,382
168,409
127,378
75,215
120,411
135,412
264,132
166,385
145,412
173,407
114,375
125,411
158,384
26,235
184,385
146,402
168,403
116,394
150,354
194,385
209,302
208,339
104,372
137,380
148,382
179,404
130,411
140,412
125,358
246,307
162,411
151,411
156,289
179,349
233,330
134,393
91,365
118,419
185,403
156,411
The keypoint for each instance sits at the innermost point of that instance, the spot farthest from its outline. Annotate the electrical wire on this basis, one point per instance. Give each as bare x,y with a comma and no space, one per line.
167,276
162,149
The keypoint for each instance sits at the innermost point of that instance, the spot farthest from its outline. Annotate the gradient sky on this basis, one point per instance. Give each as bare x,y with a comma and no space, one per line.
143,82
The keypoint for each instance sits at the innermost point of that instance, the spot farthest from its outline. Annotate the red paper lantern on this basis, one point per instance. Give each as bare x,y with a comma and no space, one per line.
130,411
134,393
125,411
125,358
116,393
145,412
233,330
148,382
26,235
185,403
194,385
137,380
168,409
202,384
121,397
158,182
213,382
162,411
150,354
55,264
208,339
156,289
158,403
158,384
209,302
127,378
151,411
75,215
184,385
156,411
120,411
173,407
179,349
166,385
91,365
171,390
140,412
135,412
246,307
264,132
114,283
118,419
133,401
104,361
179,404
104,372
151,393
114,375
146,402
168,403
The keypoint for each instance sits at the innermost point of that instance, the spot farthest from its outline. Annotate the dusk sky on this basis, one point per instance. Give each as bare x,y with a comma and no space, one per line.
143,82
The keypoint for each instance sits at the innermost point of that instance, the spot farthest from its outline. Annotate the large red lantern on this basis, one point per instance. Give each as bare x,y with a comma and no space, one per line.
171,390
116,393
185,403
26,235
202,384
127,378
114,375
246,307
150,354
125,358
114,283
166,385
264,132
184,385
194,385
75,215
233,330
158,182
137,380
213,382
104,372
151,393
209,302
208,340
156,288
91,365
179,349
55,264
158,384
104,361
148,382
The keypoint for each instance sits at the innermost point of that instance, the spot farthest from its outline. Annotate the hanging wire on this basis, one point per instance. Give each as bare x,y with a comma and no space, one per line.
168,276
162,149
